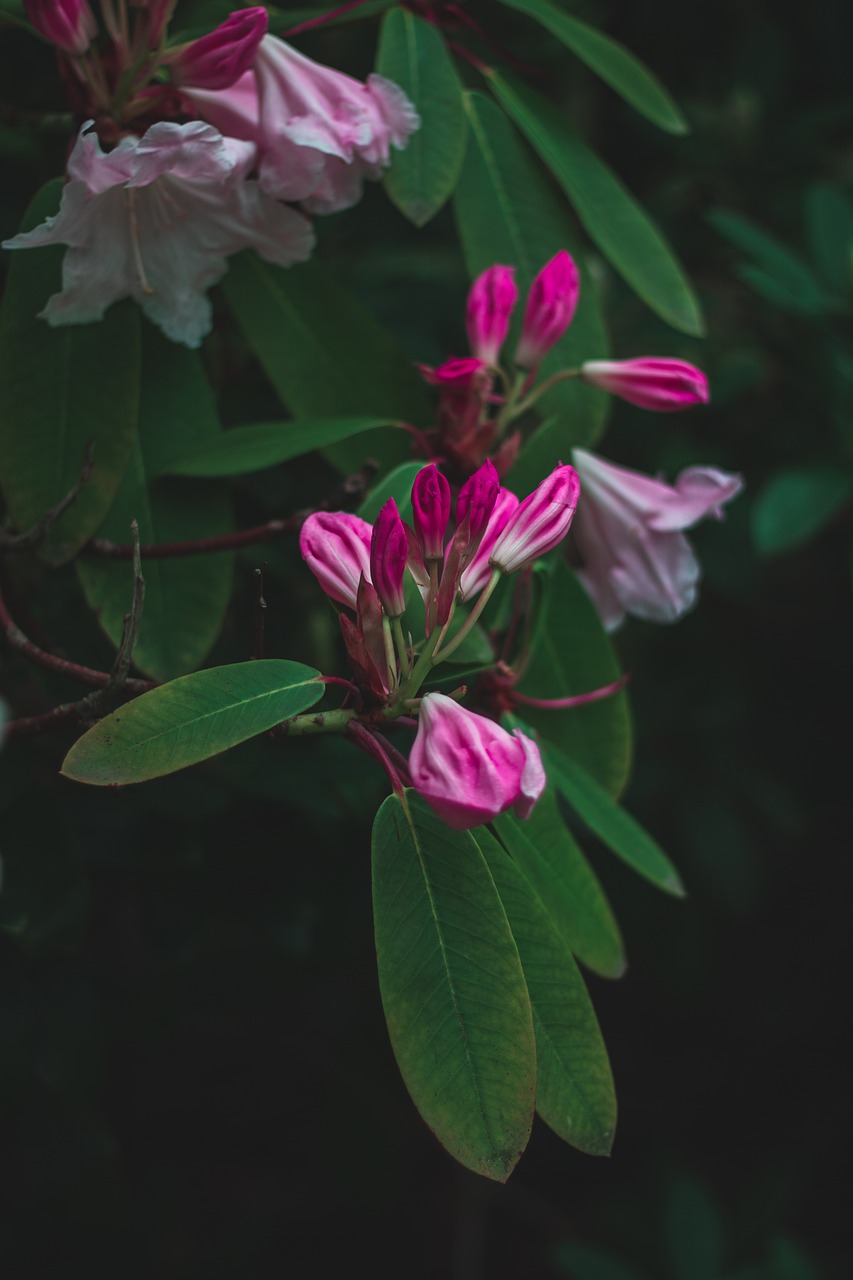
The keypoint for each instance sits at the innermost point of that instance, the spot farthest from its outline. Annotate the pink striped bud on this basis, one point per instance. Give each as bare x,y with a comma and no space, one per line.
389,550
476,501
652,382
550,306
539,522
431,510
336,548
217,60
478,570
69,24
490,304
469,768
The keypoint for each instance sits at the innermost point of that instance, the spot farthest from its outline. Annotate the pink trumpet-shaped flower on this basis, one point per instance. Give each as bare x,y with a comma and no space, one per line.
490,304
539,522
389,550
431,510
336,548
155,219
217,60
550,306
469,768
69,24
651,382
628,530
477,572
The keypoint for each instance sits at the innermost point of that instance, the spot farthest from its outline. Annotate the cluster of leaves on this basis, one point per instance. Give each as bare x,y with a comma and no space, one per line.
477,935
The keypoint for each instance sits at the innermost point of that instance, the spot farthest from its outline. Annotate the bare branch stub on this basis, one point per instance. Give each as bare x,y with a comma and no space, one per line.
36,535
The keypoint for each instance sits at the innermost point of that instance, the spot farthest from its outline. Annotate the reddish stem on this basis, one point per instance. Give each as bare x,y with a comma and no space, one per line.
194,546
323,18
577,700
369,743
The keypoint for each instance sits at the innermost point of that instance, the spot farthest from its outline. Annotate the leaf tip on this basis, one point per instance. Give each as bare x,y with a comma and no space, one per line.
674,885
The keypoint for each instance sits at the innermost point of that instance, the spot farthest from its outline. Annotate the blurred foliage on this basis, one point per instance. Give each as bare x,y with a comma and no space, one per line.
195,1072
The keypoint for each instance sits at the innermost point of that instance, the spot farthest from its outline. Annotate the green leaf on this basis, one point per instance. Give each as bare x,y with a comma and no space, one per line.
574,1089
622,834
622,70
548,855
776,273
795,505
397,484
452,987
829,223
508,212
60,389
413,55
572,655
325,355
623,231
241,450
186,597
191,719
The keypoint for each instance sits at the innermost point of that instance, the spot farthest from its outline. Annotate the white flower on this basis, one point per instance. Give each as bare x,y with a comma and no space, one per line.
155,219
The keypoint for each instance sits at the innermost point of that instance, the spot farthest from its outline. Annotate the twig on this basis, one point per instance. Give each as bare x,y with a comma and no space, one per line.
42,527
260,614
194,546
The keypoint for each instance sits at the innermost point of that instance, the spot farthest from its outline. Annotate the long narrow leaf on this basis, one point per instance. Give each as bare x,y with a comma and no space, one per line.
452,987
191,719
619,68
622,230
267,444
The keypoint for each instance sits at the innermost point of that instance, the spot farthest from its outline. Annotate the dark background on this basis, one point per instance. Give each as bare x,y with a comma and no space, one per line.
195,1077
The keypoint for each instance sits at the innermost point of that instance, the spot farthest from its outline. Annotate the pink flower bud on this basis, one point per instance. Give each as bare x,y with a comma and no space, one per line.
550,306
476,501
389,550
478,570
650,382
469,768
465,433
217,60
69,24
539,522
336,548
431,509
460,373
490,303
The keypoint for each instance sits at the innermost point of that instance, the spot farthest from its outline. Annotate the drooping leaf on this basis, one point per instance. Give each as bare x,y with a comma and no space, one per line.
452,987
325,355
622,834
623,231
793,506
191,719
61,389
423,175
574,1087
507,212
619,68
829,223
548,855
776,273
186,597
574,655
267,444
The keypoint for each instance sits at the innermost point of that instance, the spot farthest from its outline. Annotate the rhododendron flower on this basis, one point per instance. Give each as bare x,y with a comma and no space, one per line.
539,522
550,307
336,547
320,133
628,530
431,511
155,219
478,570
652,382
217,60
69,24
469,768
491,301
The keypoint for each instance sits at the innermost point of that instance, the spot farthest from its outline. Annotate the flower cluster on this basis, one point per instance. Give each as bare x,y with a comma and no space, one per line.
634,556
467,767
155,203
